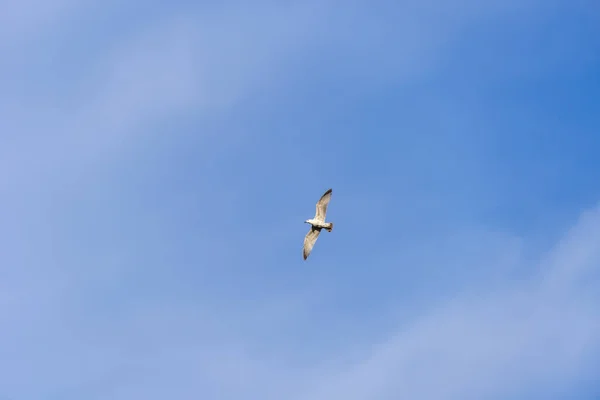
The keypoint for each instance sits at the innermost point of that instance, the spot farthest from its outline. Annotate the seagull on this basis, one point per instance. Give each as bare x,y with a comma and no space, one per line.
317,223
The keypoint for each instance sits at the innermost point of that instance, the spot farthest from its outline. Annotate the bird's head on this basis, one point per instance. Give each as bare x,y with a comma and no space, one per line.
307,221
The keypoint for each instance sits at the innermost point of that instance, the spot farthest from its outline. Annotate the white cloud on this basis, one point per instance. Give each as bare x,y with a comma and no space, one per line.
482,344
21,21
197,64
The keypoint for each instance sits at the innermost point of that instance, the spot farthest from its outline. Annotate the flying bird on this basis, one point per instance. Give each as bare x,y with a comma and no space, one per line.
317,223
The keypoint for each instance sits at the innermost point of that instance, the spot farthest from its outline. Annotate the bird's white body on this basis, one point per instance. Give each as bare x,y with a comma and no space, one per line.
317,223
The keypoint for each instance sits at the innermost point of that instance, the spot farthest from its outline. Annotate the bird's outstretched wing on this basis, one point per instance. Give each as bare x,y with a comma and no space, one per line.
322,206
310,239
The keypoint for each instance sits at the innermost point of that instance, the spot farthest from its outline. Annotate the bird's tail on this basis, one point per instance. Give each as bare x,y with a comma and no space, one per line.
330,228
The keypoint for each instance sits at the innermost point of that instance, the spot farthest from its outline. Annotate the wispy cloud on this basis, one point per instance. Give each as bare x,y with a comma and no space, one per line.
537,332
24,21
184,64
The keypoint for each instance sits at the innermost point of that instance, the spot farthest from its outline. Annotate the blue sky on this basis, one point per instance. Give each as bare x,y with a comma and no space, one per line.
157,162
